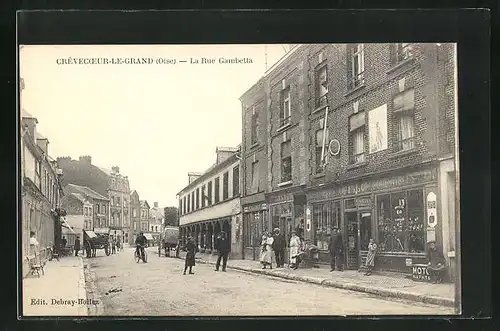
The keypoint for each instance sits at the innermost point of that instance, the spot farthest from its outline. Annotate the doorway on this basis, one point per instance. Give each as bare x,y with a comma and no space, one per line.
365,229
351,219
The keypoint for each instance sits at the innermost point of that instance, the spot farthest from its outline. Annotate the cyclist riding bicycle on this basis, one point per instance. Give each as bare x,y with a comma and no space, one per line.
140,243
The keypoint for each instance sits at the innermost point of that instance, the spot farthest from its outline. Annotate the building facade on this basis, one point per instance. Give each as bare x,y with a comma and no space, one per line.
106,182
210,203
135,216
361,137
144,217
76,204
99,217
41,189
155,221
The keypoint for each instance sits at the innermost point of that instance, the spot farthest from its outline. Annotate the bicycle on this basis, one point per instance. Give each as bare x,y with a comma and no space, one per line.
137,255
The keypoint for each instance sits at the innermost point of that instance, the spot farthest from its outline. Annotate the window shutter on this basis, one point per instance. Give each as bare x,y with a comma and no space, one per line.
356,121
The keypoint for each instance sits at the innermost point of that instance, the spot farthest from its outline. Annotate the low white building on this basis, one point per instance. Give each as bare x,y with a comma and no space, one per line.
211,203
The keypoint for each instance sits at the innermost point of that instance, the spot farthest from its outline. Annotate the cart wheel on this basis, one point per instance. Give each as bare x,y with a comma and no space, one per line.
106,250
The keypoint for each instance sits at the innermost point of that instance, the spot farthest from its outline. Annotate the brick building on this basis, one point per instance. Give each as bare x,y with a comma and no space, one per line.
210,203
388,168
41,189
106,182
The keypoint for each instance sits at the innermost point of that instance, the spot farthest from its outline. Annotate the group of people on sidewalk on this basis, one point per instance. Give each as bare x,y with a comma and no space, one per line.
222,245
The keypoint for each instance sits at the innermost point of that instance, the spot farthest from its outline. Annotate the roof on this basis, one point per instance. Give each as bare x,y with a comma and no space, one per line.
106,171
24,113
79,197
144,203
39,136
88,192
134,191
156,212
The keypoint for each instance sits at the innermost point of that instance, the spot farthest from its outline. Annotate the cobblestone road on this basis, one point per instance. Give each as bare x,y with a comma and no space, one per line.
158,288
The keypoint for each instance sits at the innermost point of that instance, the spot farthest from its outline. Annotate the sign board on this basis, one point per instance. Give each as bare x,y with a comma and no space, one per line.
419,272
308,219
334,147
431,209
409,262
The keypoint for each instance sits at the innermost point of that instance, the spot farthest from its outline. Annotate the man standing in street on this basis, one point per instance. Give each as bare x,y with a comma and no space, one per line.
336,248
279,245
223,246
77,245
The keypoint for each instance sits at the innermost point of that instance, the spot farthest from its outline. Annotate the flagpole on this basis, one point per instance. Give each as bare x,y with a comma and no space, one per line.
324,135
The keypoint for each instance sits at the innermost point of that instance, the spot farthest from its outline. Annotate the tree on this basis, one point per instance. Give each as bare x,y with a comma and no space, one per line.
171,216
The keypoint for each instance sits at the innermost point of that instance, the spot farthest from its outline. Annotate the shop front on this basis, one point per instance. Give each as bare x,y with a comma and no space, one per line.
205,232
286,212
255,223
395,210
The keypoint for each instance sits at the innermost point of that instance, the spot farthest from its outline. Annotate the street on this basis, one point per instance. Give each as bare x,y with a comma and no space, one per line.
159,288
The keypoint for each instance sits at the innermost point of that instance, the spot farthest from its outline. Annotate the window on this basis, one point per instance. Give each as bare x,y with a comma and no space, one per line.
322,86
225,186
180,206
135,225
286,161
356,65
104,209
189,203
401,222
117,201
358,145
236,181
319,150
286,107
112,200
404,104
325,217
97,208
217,190
197,198
203,196
209,193
401,52
193,202
38,179
184,205
118,219
254,188
134,212
254,128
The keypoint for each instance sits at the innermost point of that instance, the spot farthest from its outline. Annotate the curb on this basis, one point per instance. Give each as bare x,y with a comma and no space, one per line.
345,286
82,293
92,292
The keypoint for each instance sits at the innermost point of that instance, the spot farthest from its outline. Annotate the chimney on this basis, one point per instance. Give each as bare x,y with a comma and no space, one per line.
223,153
156,204
116,170
43,143
87,159
30,123
194,176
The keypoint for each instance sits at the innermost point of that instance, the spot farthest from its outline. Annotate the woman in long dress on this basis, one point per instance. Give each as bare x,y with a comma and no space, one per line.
370,258
294,250
266,251
191,251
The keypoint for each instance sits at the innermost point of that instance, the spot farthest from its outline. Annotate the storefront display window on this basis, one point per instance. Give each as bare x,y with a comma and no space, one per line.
325,216
401,222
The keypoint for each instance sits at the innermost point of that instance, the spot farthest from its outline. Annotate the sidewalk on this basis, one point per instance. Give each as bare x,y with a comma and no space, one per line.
381,284
59,292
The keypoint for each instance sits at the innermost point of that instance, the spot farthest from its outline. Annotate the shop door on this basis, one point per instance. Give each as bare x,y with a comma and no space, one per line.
286,223
351,219
365,229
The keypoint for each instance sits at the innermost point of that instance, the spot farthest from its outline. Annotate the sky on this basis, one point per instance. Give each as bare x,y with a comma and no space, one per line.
157,122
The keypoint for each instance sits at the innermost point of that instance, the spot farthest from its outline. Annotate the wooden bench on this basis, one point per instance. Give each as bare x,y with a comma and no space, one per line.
36,265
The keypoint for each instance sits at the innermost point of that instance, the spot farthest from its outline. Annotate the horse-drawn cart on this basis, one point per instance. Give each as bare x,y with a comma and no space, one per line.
94,241
169,239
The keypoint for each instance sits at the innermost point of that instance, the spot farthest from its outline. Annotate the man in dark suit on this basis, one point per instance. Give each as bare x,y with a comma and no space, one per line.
77,245
279,245
336,248
223,245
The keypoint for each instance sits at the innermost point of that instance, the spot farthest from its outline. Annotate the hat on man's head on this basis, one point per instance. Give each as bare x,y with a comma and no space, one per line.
276,230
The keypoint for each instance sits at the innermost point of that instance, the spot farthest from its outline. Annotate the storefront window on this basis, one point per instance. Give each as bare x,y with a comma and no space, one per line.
400,222
325,216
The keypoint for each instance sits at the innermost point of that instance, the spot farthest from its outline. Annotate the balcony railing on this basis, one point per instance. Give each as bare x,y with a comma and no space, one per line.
285,121
322,101
357,158
404,144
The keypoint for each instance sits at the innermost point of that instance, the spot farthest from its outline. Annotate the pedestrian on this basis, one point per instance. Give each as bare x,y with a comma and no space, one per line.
88,248
294,250
223,246
370,257
77,245
336,249
279,245
300,230
266,258
436,262
177,249
118,244
113,245
64,242
191,251
34,245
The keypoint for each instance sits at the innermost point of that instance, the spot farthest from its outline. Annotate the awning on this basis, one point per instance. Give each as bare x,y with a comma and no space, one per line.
148,236
66,225
91,234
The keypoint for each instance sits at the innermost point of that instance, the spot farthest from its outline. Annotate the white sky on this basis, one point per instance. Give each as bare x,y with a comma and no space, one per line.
156,122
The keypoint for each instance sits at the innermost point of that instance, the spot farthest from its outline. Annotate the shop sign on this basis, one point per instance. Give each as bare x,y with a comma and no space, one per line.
281,198
308,219
409,262
365,202
431,209
374,185
264,206
421,273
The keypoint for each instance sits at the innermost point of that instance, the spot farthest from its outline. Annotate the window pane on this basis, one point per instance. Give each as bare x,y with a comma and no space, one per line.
415,226
286,149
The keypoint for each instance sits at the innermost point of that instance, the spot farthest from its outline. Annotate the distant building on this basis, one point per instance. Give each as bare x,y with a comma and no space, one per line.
155,220
107,182
135,216
76,204
99,217
211,203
